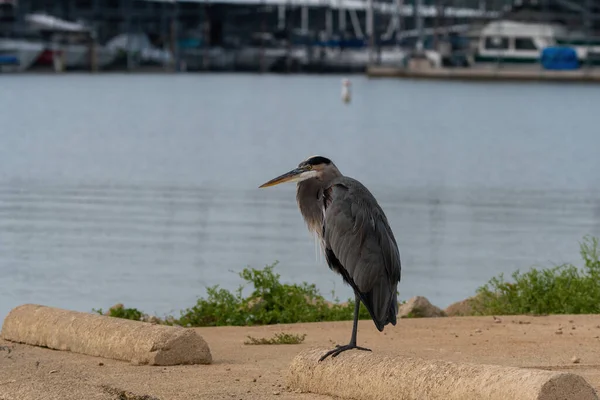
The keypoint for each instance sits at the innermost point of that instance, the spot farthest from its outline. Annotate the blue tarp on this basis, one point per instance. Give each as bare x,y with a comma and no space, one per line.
9,60
559,58
347,43
189,43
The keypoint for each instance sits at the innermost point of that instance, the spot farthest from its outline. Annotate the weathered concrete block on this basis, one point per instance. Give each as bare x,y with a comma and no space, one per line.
370,376
103,336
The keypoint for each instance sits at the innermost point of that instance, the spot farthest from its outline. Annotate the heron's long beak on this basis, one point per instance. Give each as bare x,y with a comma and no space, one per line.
292,176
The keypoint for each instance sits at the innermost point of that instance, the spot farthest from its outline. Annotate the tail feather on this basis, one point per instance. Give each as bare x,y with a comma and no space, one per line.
382,305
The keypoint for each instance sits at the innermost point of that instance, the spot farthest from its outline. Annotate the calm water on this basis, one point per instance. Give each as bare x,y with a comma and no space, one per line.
143,189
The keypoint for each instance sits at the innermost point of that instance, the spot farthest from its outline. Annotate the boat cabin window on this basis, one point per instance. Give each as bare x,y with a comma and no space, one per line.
524,43
496,43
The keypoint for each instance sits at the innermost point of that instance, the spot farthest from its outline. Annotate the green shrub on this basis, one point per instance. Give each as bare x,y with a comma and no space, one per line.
563,289
271,302
279,338
118,311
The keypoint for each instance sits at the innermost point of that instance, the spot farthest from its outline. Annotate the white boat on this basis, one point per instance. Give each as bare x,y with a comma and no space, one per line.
26,52
257,58
75,55
140,45
515,42
48,22
360,58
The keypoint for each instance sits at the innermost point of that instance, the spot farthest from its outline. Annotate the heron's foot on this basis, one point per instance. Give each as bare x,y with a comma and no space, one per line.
338,349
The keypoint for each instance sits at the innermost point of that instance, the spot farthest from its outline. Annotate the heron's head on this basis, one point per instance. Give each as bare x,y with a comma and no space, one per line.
315,167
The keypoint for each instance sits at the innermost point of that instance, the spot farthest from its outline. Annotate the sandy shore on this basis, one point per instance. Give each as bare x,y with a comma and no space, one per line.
244,371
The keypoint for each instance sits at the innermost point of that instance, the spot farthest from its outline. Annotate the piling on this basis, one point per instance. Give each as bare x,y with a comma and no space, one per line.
373,376
93,53
140,343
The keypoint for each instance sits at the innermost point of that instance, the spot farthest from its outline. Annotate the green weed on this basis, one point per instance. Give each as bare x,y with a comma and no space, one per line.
118,311
271,302
563,289
279,338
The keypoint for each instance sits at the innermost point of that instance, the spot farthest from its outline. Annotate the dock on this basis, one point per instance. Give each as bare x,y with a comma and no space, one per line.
492,74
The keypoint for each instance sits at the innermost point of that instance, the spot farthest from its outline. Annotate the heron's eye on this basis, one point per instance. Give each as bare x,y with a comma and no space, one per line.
309,167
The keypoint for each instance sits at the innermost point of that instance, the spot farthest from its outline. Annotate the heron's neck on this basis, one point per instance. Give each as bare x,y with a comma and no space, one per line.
309,196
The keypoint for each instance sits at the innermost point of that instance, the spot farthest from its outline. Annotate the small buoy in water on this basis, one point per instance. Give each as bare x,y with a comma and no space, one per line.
346,95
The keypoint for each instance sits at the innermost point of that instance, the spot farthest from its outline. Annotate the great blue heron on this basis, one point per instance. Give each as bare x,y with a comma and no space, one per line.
355,236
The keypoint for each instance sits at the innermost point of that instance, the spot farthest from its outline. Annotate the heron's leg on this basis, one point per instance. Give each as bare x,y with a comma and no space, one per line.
352,345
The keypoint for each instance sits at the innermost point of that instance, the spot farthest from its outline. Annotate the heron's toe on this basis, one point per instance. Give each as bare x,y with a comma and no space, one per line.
339,349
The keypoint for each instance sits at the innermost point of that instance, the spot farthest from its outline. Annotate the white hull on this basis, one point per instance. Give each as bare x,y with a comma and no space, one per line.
360,58
26,51
77,55
251,57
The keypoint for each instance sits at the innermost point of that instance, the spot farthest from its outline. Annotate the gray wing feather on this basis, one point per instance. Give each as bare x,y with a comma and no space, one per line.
360,246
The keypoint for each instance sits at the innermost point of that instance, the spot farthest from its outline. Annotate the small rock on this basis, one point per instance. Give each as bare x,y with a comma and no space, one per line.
560,328
572,327
227,369
254,380
461,308
575,360
570,321
419,307
478,331
53,371
101,364
497,320
276,393
559,332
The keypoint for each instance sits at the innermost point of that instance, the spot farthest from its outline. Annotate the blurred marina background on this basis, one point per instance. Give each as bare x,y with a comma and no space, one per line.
296,35
142,188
